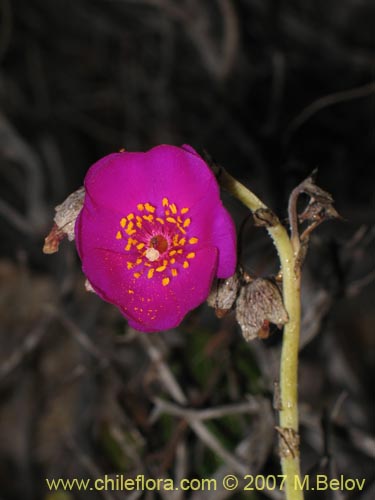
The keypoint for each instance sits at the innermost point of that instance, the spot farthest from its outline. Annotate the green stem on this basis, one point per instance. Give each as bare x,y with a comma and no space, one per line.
288,416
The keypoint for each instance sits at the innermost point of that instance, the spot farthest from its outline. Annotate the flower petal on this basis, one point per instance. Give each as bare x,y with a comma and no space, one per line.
215,227
148,305
96,228
164,171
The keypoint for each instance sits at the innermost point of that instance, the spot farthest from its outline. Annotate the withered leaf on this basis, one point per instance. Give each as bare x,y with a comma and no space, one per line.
53,240
320,206
259,304
316,211
67,212
88,287
223,294
65,218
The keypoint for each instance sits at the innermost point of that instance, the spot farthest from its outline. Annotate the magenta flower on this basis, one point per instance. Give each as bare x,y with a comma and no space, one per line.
153,233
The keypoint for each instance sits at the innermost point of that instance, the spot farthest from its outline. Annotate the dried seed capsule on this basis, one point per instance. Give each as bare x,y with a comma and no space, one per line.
223,294
259,304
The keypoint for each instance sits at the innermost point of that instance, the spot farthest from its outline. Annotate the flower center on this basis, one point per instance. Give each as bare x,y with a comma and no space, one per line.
158,243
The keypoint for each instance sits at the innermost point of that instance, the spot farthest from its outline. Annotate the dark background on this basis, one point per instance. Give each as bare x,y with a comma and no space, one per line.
271,90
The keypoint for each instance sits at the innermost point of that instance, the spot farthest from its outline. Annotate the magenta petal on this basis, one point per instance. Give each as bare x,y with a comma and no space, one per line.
165,307
133,177
147,304
224,235
97,228
216,228
189,149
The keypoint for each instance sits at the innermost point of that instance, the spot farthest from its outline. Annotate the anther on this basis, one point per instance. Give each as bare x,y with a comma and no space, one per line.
149,218
149,208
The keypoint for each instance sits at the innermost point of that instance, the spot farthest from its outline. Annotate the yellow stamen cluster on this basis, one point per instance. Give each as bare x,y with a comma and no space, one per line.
157,240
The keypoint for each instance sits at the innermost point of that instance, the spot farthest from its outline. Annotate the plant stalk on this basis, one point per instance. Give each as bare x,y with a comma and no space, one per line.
288,413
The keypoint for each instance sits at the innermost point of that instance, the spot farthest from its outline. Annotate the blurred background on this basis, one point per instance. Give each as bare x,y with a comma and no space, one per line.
271,90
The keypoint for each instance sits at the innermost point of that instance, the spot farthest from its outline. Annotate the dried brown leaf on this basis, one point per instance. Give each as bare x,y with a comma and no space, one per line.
320,206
